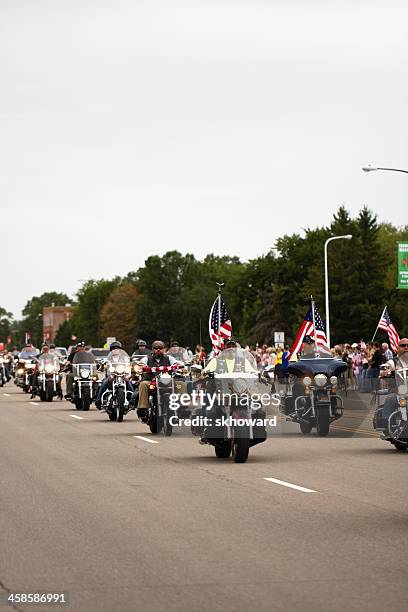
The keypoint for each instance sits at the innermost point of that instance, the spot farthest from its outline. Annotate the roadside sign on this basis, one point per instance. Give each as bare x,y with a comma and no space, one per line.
402,265
279,338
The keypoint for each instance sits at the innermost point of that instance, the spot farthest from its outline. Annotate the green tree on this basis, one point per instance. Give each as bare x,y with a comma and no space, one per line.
6,322
90,301
119,315
32,321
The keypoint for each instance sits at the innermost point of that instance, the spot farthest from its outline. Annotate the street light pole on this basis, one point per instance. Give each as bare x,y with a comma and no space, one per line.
374,168
326,281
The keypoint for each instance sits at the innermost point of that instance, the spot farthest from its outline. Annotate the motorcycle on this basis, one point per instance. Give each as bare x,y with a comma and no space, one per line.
312,401
48,377
24,373
116,400
3,365
235,422
85,386
393,427
165,381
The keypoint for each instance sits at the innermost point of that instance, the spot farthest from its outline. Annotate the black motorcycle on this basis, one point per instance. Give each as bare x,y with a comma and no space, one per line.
311,398
166,381
390,417
116,399
85,386
48,383
236,420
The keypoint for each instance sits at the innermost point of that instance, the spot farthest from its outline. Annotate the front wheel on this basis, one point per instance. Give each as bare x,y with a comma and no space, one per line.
305,427
86,398
240,445
120,404
49,392
167,427
400,445
323,422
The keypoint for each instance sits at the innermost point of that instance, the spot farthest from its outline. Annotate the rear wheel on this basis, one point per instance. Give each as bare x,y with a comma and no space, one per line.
305,427
223,449
120,404
400,445
323,422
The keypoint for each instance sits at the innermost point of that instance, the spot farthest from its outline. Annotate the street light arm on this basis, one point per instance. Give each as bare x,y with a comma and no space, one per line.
374,168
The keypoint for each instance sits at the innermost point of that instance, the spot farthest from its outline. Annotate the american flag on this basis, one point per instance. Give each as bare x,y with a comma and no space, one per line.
307,329
387,325
219,317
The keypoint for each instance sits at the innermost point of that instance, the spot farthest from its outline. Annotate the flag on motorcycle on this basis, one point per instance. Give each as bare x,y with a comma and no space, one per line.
220,326
388,326
307,329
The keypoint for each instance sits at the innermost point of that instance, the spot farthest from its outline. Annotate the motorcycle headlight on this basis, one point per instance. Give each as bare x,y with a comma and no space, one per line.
84,373
307,381
165,379
49,368
333,380
320,380
120,369
20,371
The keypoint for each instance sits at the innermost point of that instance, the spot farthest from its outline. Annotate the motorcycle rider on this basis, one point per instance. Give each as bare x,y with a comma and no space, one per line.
45,350
229,360
79,355
28,351
401,361
141,349
115,348
156,359
179,353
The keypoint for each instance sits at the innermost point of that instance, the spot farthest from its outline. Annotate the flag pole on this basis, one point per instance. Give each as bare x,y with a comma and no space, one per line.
376,329
314,326
219,285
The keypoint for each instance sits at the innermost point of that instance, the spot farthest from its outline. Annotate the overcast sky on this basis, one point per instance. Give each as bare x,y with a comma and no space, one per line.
129,128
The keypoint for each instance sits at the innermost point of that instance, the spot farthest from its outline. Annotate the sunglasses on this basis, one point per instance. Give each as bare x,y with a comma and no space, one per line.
158,348
403,345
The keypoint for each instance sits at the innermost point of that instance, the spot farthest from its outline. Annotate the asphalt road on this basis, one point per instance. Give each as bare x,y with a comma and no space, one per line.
159,524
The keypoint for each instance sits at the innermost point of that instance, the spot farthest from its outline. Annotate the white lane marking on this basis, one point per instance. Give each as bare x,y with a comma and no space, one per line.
75,416
6,394
35,403
290,485
146,439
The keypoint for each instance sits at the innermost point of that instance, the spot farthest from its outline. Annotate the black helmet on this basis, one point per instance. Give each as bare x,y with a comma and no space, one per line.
174,343
230,343
115,345
141,342
81,344
308,340
52,346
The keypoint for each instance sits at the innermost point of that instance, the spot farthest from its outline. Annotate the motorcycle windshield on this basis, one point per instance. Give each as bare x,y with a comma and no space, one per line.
401,379
319,352
179,353
48,362
118,361
234,361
